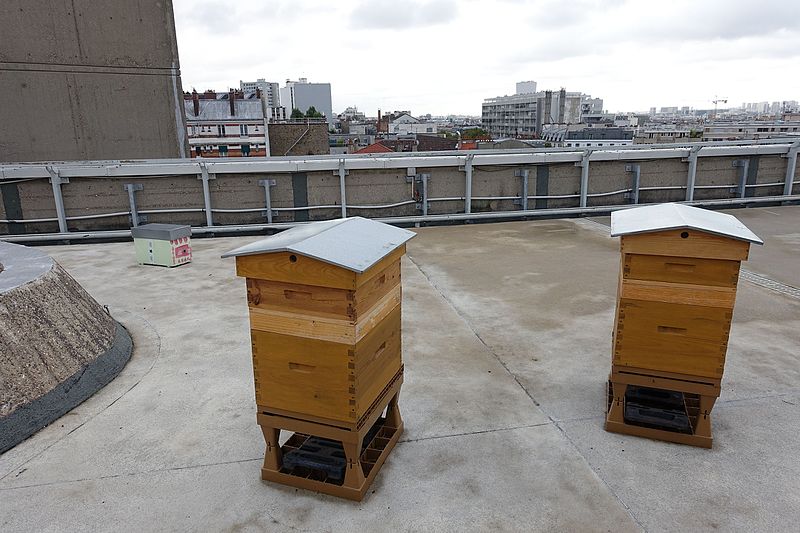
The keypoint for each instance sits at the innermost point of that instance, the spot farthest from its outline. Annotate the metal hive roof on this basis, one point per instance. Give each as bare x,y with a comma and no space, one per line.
354,243
664,217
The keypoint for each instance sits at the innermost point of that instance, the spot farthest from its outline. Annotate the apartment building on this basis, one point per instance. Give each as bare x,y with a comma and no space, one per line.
736,131
232,124
270,90
301,95
524,115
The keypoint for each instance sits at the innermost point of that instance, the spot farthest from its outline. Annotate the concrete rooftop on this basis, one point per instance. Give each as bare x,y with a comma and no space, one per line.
507,341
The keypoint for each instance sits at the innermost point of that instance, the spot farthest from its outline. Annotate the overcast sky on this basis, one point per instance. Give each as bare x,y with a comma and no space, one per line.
446,56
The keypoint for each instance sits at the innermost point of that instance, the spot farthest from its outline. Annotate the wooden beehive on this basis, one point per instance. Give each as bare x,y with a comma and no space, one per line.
324,303
677,288
675,298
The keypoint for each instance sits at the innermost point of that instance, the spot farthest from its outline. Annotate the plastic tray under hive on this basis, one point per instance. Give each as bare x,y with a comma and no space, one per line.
660,409
323,460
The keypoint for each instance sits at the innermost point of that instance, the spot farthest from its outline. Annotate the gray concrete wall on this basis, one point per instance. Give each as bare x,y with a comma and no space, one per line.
298,139
92,196
87,80
663,173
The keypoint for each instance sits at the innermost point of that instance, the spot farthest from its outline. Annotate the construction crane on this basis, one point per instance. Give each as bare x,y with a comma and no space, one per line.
718,100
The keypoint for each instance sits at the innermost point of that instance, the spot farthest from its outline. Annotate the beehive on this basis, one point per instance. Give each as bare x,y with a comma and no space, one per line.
324,304
676,294
162,244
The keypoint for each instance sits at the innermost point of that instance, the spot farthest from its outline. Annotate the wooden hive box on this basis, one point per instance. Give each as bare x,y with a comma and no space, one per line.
677,288
324,303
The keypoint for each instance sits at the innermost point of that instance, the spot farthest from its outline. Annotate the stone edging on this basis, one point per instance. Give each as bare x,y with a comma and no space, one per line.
33,416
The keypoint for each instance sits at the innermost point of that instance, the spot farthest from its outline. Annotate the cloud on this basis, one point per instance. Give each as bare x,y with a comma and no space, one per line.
713,20
456,53
402,14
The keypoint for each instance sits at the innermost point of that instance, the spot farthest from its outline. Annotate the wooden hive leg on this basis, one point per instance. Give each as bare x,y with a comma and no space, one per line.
272,457
354,475
616,412
703,428
393,418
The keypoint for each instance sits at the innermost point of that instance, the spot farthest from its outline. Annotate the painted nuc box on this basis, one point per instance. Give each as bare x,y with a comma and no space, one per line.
162,244
677,288
324,301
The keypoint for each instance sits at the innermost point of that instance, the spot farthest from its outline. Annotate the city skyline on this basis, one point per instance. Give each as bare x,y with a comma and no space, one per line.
446,57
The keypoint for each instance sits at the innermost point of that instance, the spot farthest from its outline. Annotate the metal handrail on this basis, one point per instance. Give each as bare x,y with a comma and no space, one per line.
61,173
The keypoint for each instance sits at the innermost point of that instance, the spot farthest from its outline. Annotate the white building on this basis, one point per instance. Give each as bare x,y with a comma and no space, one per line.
270,90
352,113
405,124
523,115
526,87
301,95
735,131
591,105
222,127
581,136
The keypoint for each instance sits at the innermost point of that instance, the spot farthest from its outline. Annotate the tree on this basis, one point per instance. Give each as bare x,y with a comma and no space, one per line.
313,113
474,133
296,113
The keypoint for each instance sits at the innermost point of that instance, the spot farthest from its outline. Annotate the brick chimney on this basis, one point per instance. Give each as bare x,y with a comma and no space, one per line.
196,103
232,102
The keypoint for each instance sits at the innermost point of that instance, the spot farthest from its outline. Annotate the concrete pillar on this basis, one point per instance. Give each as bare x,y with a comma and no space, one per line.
791,168
584,164
692,176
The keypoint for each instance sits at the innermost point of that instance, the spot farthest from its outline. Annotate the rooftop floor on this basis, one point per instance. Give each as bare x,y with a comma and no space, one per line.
507,339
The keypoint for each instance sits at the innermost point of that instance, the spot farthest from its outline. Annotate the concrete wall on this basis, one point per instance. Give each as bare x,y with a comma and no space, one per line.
292,192
313,139
87,80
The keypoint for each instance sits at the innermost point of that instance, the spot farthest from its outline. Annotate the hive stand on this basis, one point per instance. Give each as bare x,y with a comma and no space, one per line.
679,270
325,325
699,398
363,462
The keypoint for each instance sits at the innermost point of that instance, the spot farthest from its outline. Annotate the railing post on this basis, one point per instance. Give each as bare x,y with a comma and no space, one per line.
584,164
132,188
741,188
791,168
692,176
468,184
424,179
636,170
205,177
267,198
342,173
523,200
421,180
56,180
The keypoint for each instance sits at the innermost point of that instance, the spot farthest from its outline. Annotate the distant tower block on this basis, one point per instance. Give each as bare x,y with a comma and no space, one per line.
526,87
324,302
677,288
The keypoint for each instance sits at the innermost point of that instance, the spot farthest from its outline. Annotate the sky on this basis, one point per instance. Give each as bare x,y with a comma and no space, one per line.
446,56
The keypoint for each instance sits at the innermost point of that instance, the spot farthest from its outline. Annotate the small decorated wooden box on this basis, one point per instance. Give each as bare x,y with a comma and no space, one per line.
324,303
162,244
677,288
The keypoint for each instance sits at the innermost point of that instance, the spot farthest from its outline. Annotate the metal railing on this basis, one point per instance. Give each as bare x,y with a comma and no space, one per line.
59,173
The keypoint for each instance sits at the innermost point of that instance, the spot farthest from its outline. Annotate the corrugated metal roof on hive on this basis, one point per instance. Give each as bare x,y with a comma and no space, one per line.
672,216
353,243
